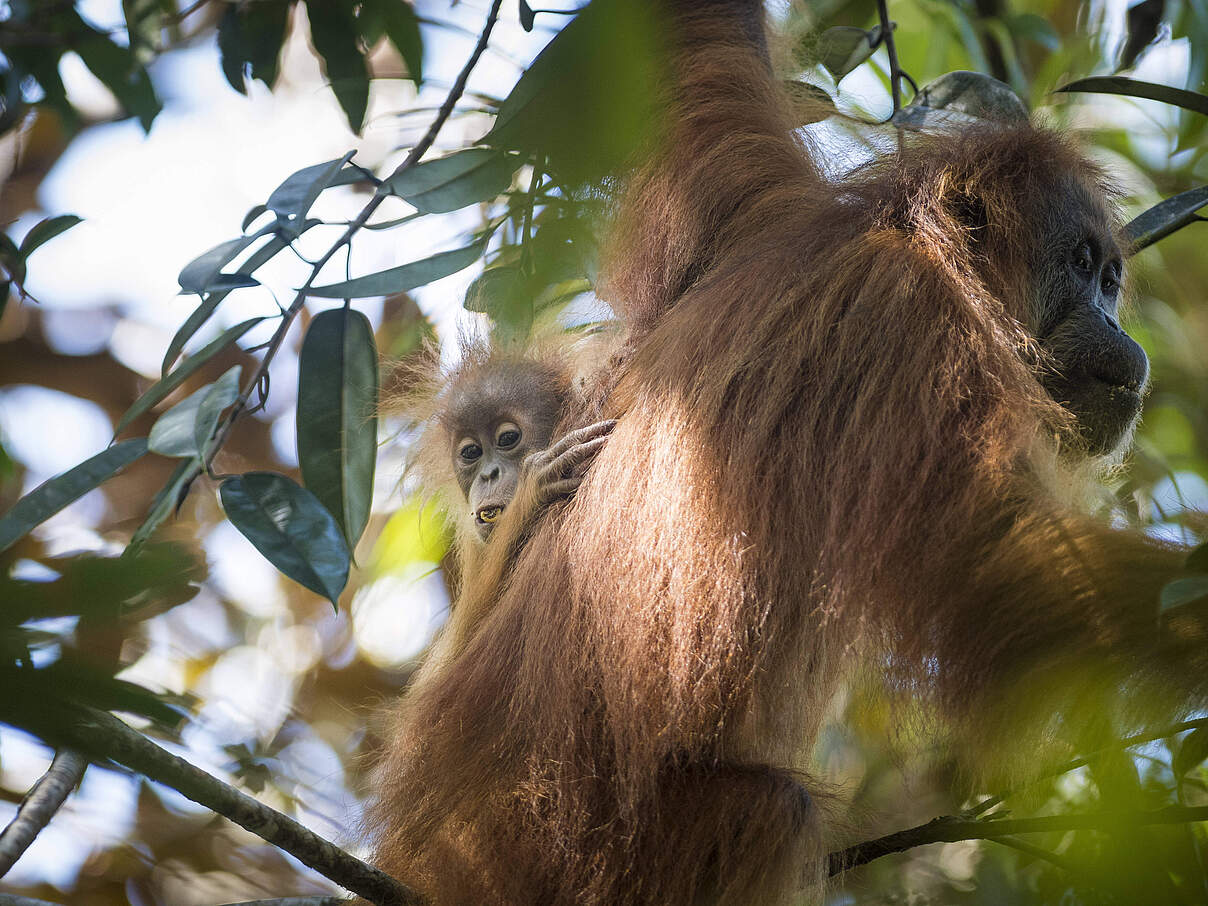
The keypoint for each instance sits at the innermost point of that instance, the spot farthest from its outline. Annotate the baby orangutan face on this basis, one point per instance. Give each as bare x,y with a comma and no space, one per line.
497,424
500,420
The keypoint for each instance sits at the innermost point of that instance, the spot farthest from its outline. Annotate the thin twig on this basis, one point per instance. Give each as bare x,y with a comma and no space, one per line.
293,901
950,829
1073,764
103,737
895,71
40,804
1036,852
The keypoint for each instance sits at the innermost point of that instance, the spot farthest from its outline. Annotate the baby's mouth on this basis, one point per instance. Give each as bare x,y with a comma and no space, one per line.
488,514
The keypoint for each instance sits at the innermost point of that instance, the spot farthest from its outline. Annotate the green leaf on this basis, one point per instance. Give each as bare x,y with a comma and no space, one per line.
1144,21
264,25
210,303
1179,97
120,72
185,428
45,230
337,416
1180,592
293,198
291,528
144,19
231,52
842,48
527,16
165,502
585,101
204,273
402,28
333,35
12,260
1164,218
250,217
161,388
404,278
49,498
454,181
1191,753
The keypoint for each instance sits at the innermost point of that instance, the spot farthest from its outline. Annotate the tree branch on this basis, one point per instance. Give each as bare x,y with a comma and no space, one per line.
101,736
41,803
1074,763
950,829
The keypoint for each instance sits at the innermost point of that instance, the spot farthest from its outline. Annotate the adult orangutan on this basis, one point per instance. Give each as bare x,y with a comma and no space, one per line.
855,419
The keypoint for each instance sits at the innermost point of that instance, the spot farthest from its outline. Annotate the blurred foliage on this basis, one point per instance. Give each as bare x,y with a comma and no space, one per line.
137,611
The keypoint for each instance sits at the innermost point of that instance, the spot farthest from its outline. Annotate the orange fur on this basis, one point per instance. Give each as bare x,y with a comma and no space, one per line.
830,446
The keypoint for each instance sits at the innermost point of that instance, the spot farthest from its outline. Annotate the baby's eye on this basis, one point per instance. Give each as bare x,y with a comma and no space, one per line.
508,437
470,452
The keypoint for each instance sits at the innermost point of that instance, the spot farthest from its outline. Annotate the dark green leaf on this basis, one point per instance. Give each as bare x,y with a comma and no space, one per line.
291,528
231,50
143,22
333,35
120,72
1164,218
293,198
1197,560
185,428
221,395
455,181
1189,100
337,420
49,498
585,102
1180,592
842,48
202,312
165,502
494,289
12,259
1144,21
161,388
403,278
204,273
250,217
1191,753
402,28
264,25
45,230
527,16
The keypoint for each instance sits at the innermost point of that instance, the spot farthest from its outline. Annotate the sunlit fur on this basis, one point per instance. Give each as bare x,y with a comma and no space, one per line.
830,451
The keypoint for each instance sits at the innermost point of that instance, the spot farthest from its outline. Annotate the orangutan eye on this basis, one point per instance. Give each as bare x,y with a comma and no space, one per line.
509,436
1111,279
470,452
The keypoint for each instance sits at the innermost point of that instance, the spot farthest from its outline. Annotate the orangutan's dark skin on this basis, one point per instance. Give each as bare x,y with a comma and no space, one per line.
856,423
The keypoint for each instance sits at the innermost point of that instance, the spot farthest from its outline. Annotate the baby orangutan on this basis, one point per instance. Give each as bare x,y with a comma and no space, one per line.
487,452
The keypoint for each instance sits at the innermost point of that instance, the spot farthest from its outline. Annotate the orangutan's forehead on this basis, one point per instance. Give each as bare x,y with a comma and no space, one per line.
502,393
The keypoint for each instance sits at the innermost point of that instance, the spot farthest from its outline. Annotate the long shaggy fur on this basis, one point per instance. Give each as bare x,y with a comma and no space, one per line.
831,446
